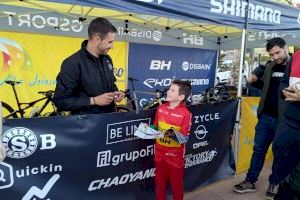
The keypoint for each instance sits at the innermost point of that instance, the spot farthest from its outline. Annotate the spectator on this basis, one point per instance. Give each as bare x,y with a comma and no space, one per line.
286,145
268,112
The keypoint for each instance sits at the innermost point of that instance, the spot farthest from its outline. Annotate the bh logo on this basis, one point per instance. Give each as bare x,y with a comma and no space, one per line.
20,142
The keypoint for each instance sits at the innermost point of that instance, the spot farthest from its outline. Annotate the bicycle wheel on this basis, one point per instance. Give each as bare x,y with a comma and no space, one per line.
7,110
122,109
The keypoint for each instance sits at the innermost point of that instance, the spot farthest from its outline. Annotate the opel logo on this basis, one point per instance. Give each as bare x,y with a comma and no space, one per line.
200,132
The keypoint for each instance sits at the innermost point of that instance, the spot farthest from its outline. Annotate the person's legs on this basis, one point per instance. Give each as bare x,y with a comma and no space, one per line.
264,135
161,180
176,180
286,150
284,192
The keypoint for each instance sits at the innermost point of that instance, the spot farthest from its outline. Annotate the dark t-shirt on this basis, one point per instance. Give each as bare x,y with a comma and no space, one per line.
271,103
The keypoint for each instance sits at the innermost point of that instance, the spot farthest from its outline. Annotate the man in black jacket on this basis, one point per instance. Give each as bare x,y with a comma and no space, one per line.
86,83
286,145
268,112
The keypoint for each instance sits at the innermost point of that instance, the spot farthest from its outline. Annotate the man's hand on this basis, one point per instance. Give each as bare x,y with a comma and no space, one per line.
2,152
252,78
291,94
118,96
169,133
104,99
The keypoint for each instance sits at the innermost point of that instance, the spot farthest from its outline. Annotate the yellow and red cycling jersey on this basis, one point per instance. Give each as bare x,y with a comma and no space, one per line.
166,148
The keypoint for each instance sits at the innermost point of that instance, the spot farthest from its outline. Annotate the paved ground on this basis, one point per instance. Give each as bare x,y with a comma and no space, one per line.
222,190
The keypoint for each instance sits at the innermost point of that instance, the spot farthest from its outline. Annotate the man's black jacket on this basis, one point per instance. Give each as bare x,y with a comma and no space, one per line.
83,76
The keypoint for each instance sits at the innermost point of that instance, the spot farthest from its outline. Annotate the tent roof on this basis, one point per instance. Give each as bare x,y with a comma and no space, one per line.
78,8
217,22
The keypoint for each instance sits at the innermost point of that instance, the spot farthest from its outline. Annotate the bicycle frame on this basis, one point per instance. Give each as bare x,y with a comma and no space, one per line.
29,105
21,110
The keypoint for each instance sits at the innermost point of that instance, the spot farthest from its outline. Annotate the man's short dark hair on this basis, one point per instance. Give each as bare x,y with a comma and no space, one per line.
276,41
100,26
184,88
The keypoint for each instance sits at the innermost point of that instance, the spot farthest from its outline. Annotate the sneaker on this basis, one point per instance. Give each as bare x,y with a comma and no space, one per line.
271,191
244,187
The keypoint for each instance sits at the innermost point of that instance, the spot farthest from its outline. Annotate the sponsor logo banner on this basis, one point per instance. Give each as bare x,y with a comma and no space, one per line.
79,159
162,64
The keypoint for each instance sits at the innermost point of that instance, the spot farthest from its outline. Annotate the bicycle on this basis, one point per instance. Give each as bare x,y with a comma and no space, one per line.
9,112
132,100
215,95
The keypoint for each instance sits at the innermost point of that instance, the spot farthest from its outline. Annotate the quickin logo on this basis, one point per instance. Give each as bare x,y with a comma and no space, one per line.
41,193
19,142
6,175
149,1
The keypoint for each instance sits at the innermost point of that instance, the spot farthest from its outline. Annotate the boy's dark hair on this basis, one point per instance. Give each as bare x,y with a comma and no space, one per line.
184,88
276,41
100,26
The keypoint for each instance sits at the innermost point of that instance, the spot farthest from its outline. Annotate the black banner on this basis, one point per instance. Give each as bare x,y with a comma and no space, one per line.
97,156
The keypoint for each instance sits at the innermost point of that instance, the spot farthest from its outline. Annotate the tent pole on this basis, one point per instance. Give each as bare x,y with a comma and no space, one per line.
239,93
218,57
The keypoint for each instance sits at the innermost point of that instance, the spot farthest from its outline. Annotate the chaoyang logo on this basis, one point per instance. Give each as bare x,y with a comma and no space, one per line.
148,1
20,142
141,33
238,8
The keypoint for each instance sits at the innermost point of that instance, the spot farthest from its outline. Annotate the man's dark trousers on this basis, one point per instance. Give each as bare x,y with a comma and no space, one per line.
264,134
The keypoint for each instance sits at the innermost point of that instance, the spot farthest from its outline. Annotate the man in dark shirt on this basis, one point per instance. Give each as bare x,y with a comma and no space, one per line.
268,112
286,145
86,83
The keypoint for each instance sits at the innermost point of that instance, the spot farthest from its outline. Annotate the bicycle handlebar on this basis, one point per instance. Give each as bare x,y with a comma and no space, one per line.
48,93
10,82
132,79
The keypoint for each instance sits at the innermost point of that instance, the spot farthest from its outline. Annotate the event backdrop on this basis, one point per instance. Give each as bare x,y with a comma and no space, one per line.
97,156
35,60
159,65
